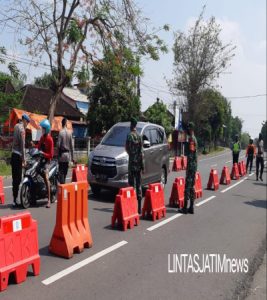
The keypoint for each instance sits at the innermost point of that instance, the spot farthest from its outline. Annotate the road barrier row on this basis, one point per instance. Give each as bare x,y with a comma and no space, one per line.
19,235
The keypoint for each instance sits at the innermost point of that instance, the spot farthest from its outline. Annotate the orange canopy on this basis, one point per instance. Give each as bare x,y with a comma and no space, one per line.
16,114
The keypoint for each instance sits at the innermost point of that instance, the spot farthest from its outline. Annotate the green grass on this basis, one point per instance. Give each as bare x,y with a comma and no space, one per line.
4,154
82,160
5,169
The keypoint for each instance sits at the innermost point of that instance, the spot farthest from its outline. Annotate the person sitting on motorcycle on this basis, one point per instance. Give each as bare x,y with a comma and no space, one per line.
46,148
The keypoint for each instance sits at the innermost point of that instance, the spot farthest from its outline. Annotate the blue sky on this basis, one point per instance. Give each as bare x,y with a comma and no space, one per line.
242,22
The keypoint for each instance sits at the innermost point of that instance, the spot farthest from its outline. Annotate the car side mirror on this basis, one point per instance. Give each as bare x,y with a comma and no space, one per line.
146,144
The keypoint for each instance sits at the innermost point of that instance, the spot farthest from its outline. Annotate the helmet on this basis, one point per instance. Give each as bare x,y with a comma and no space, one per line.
26,117
46,125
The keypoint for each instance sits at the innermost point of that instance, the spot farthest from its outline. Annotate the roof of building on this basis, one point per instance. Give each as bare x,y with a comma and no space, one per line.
37,99
76,94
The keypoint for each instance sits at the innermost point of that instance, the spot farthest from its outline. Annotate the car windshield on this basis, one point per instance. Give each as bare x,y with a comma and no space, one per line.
117,136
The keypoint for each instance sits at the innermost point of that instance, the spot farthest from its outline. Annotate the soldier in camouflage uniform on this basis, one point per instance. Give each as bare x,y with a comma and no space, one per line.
191,171
134,149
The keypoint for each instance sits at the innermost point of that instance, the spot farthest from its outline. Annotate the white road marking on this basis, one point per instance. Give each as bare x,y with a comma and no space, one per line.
230,187
228,161
214,156
164,222
68,178
215,165
8,187
83,263
206,200
251,174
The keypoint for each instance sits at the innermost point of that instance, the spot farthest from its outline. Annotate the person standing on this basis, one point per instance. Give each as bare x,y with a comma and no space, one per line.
259,157
236,150
18,155
134,148
46,148
65,151
250,154
191,153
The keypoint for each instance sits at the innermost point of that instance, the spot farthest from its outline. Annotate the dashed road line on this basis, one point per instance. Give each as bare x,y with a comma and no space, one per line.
232,186
227,162
8,187
151,228
206,200
166,221
83,263
251,174
215,165
214,156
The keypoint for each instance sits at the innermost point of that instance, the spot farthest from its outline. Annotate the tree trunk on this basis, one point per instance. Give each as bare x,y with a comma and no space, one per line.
53,104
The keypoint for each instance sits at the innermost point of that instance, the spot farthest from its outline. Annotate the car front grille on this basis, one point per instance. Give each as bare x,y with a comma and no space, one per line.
104,165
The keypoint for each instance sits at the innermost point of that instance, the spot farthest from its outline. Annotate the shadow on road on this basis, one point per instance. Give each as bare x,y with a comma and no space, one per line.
105,209
105,196
257,203
260,183
45,252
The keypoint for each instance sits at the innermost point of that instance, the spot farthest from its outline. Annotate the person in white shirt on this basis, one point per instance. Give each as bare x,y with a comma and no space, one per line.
259,157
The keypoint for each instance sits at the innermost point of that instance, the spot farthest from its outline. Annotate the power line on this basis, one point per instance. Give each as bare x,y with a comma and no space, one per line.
243,97
24,60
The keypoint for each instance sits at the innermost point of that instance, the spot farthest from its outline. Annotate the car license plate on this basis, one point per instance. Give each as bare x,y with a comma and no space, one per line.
101,177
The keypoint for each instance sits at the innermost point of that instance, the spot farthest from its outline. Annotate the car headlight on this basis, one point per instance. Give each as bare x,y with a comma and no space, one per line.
122,161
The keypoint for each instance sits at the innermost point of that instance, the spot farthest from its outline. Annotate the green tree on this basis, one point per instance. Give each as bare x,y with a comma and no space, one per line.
45,81
8,101
15,77
236,127
212,116
75,32
113,97
244,140
199,58
158,114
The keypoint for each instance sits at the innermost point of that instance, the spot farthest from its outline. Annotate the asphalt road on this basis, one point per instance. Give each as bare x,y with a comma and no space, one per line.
134,264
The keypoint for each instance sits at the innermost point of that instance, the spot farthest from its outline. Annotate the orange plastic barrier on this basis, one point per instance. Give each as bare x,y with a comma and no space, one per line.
177,194
79,173
198,186
225,176
235,172
177,164
184,162
2,195
213,182
72,231
154,202
18,247
125,209
244,167
240,169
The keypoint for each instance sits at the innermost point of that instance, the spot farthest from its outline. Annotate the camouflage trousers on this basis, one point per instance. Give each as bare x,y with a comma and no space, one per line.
189,193
134,180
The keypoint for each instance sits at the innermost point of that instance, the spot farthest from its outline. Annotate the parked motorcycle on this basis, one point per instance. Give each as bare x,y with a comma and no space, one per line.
33,186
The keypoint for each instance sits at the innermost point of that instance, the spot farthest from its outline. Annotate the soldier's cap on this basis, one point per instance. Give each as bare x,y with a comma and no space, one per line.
133,122
191,125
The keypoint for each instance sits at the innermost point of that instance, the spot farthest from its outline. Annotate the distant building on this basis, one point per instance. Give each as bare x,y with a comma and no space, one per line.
37,100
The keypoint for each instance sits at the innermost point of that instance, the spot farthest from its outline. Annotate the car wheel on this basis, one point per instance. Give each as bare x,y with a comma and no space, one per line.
95,189
25,196
163,177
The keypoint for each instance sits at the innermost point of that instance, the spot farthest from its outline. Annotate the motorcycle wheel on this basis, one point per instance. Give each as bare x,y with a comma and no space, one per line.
25,196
